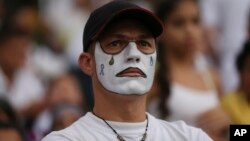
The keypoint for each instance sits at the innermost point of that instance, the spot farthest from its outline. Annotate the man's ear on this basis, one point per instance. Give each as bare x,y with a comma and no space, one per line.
86,63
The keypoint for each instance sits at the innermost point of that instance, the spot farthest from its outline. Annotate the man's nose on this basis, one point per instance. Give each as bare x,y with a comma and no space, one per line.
132,53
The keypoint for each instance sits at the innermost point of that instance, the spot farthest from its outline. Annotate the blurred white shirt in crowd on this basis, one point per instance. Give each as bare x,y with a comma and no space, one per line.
25,90
67,21
47,64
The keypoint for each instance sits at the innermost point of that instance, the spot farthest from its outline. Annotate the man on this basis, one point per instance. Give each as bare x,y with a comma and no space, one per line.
120,56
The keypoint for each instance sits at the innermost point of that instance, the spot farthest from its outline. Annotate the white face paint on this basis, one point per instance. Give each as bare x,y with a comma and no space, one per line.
129,57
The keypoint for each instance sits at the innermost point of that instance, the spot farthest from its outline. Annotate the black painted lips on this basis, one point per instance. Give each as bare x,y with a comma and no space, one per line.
126,72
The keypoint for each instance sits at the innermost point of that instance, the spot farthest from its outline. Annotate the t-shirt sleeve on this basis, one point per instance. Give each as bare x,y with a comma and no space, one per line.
55,138
202,136
195,134
189,133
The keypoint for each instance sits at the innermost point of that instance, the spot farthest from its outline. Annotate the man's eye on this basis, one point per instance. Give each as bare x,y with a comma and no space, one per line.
143,43
117,43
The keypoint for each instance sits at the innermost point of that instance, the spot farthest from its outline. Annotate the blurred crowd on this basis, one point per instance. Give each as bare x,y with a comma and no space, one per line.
203,68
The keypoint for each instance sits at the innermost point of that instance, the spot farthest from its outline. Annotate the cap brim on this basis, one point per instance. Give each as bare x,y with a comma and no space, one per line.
147,18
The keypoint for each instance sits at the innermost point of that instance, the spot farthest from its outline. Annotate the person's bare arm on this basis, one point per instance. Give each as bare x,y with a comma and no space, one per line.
215,122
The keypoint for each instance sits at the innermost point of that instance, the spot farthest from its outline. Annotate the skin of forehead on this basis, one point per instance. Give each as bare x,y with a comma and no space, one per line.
129,28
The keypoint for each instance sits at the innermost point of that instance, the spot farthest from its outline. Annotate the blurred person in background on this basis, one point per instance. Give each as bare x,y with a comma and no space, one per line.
26,14
66,19
64,115
63,90
237,103
18,83
194,89
225,22
10,126
46,56
36,61
9,132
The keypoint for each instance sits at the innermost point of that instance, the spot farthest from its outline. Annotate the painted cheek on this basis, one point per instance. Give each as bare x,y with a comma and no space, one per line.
102,69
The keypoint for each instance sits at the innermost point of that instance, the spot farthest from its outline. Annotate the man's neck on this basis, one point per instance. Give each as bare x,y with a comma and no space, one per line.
121,108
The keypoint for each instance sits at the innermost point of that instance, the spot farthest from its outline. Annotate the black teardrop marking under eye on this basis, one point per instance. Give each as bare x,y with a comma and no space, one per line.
112,61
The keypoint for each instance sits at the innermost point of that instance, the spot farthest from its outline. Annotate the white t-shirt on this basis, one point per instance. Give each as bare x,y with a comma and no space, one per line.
92,128
25,90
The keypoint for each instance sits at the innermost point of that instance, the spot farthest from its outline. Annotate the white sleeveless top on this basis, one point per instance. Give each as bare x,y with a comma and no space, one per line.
187,103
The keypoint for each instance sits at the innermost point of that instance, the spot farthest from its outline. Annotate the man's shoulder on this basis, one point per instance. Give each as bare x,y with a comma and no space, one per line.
179,130
55,136
175,125
67,134
71,133
179,125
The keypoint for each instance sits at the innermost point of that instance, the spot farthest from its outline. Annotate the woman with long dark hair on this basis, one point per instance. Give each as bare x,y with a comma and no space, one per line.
194,92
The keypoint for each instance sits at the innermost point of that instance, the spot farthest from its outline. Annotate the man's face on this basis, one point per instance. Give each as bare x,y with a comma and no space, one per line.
125,57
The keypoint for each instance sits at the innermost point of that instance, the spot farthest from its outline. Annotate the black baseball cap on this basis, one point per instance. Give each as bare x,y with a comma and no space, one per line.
116,9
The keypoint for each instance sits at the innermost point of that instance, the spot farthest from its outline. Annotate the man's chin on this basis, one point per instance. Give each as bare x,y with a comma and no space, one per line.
136,90
128,86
